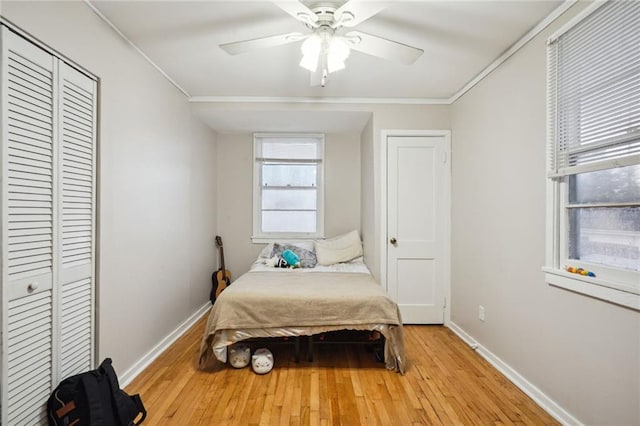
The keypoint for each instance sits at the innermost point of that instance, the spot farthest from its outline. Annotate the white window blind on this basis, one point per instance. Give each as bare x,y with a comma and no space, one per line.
594,98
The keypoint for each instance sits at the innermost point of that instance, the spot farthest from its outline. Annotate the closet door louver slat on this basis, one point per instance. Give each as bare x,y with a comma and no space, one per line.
77,165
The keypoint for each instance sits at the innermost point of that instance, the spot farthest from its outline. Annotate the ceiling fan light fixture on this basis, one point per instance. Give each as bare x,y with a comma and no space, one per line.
312,45
309,62
311,49
337,52
338,48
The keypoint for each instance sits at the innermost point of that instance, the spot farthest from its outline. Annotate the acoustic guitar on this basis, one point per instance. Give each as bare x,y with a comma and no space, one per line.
221,278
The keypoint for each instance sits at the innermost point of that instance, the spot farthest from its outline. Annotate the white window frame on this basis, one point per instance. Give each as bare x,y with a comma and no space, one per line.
614,285
267,237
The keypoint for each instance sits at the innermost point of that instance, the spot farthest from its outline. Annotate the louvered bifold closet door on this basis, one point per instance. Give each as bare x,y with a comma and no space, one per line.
28,129
77,213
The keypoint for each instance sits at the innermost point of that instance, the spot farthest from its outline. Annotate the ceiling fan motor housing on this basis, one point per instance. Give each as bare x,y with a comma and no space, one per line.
324,11
326,17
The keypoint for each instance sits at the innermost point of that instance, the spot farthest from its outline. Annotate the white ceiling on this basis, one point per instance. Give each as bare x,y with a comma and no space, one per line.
459,38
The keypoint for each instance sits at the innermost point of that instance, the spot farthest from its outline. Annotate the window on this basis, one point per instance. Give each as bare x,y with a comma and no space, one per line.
594,152
288,186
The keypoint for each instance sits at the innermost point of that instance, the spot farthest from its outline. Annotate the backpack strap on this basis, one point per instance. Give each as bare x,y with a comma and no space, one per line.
121,399
107,370
136,399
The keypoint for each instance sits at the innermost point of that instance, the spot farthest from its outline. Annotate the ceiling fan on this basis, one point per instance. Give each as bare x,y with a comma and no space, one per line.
327,47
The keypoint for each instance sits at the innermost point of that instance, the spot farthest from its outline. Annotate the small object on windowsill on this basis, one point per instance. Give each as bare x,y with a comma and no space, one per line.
579,271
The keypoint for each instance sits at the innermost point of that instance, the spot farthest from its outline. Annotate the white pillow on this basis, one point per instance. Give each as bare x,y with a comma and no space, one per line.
339,249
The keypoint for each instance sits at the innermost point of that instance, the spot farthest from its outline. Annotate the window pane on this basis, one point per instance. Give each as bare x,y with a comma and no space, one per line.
620,185
289,175
607,235
288,221
288,199
291,149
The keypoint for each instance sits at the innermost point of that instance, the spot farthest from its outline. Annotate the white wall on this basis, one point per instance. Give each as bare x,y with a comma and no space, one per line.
157,209
368,198
581,352
235,168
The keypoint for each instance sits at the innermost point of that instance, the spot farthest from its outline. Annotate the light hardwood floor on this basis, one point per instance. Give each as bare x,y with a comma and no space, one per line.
446,383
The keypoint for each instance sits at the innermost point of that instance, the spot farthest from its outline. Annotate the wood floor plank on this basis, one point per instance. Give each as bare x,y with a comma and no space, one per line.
446,382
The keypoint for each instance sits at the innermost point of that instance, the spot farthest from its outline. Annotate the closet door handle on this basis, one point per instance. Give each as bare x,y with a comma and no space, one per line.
32,287
393,241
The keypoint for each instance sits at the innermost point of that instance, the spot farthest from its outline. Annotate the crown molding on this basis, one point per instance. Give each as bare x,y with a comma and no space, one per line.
317,100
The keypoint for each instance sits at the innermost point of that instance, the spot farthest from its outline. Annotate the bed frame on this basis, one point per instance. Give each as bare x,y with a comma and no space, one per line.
372,341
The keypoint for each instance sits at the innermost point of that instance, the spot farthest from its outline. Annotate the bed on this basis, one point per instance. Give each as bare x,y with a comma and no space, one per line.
269,302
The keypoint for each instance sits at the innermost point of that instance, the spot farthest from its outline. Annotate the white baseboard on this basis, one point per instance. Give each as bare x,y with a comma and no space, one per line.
550,406
137,368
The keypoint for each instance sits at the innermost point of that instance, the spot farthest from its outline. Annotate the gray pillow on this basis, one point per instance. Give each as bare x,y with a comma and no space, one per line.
307,258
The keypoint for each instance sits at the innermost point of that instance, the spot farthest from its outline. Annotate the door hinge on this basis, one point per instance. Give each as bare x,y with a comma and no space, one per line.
446,155
445,303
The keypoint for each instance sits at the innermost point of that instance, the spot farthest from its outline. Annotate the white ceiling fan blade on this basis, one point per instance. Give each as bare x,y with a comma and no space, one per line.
238,47
383,48
298,10
354,12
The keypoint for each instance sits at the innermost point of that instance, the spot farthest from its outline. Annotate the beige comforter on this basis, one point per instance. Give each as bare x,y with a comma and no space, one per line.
267,304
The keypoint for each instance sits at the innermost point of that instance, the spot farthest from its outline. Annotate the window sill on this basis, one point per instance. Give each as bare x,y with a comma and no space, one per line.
590,286
285,239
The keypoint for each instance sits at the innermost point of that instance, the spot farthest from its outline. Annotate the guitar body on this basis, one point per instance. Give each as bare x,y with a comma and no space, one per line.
221,278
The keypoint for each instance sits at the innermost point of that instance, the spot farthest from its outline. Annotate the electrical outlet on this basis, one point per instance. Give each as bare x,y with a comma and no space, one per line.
481,313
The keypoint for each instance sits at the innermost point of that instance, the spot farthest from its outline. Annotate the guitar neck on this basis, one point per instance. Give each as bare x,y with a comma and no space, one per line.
222,259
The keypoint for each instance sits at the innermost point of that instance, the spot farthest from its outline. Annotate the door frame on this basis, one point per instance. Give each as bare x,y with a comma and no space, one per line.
446,134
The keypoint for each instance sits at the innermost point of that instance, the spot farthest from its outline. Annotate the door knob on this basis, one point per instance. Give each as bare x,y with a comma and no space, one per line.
393,241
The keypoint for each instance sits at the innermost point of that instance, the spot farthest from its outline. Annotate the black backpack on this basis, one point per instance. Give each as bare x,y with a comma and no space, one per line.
94,398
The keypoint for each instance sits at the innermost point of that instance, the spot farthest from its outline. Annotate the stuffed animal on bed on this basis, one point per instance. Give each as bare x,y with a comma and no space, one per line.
288,260
262,361
292,259
276,262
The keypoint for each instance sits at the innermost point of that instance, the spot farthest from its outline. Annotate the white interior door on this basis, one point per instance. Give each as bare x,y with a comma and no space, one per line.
417,196
76,226
28,123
